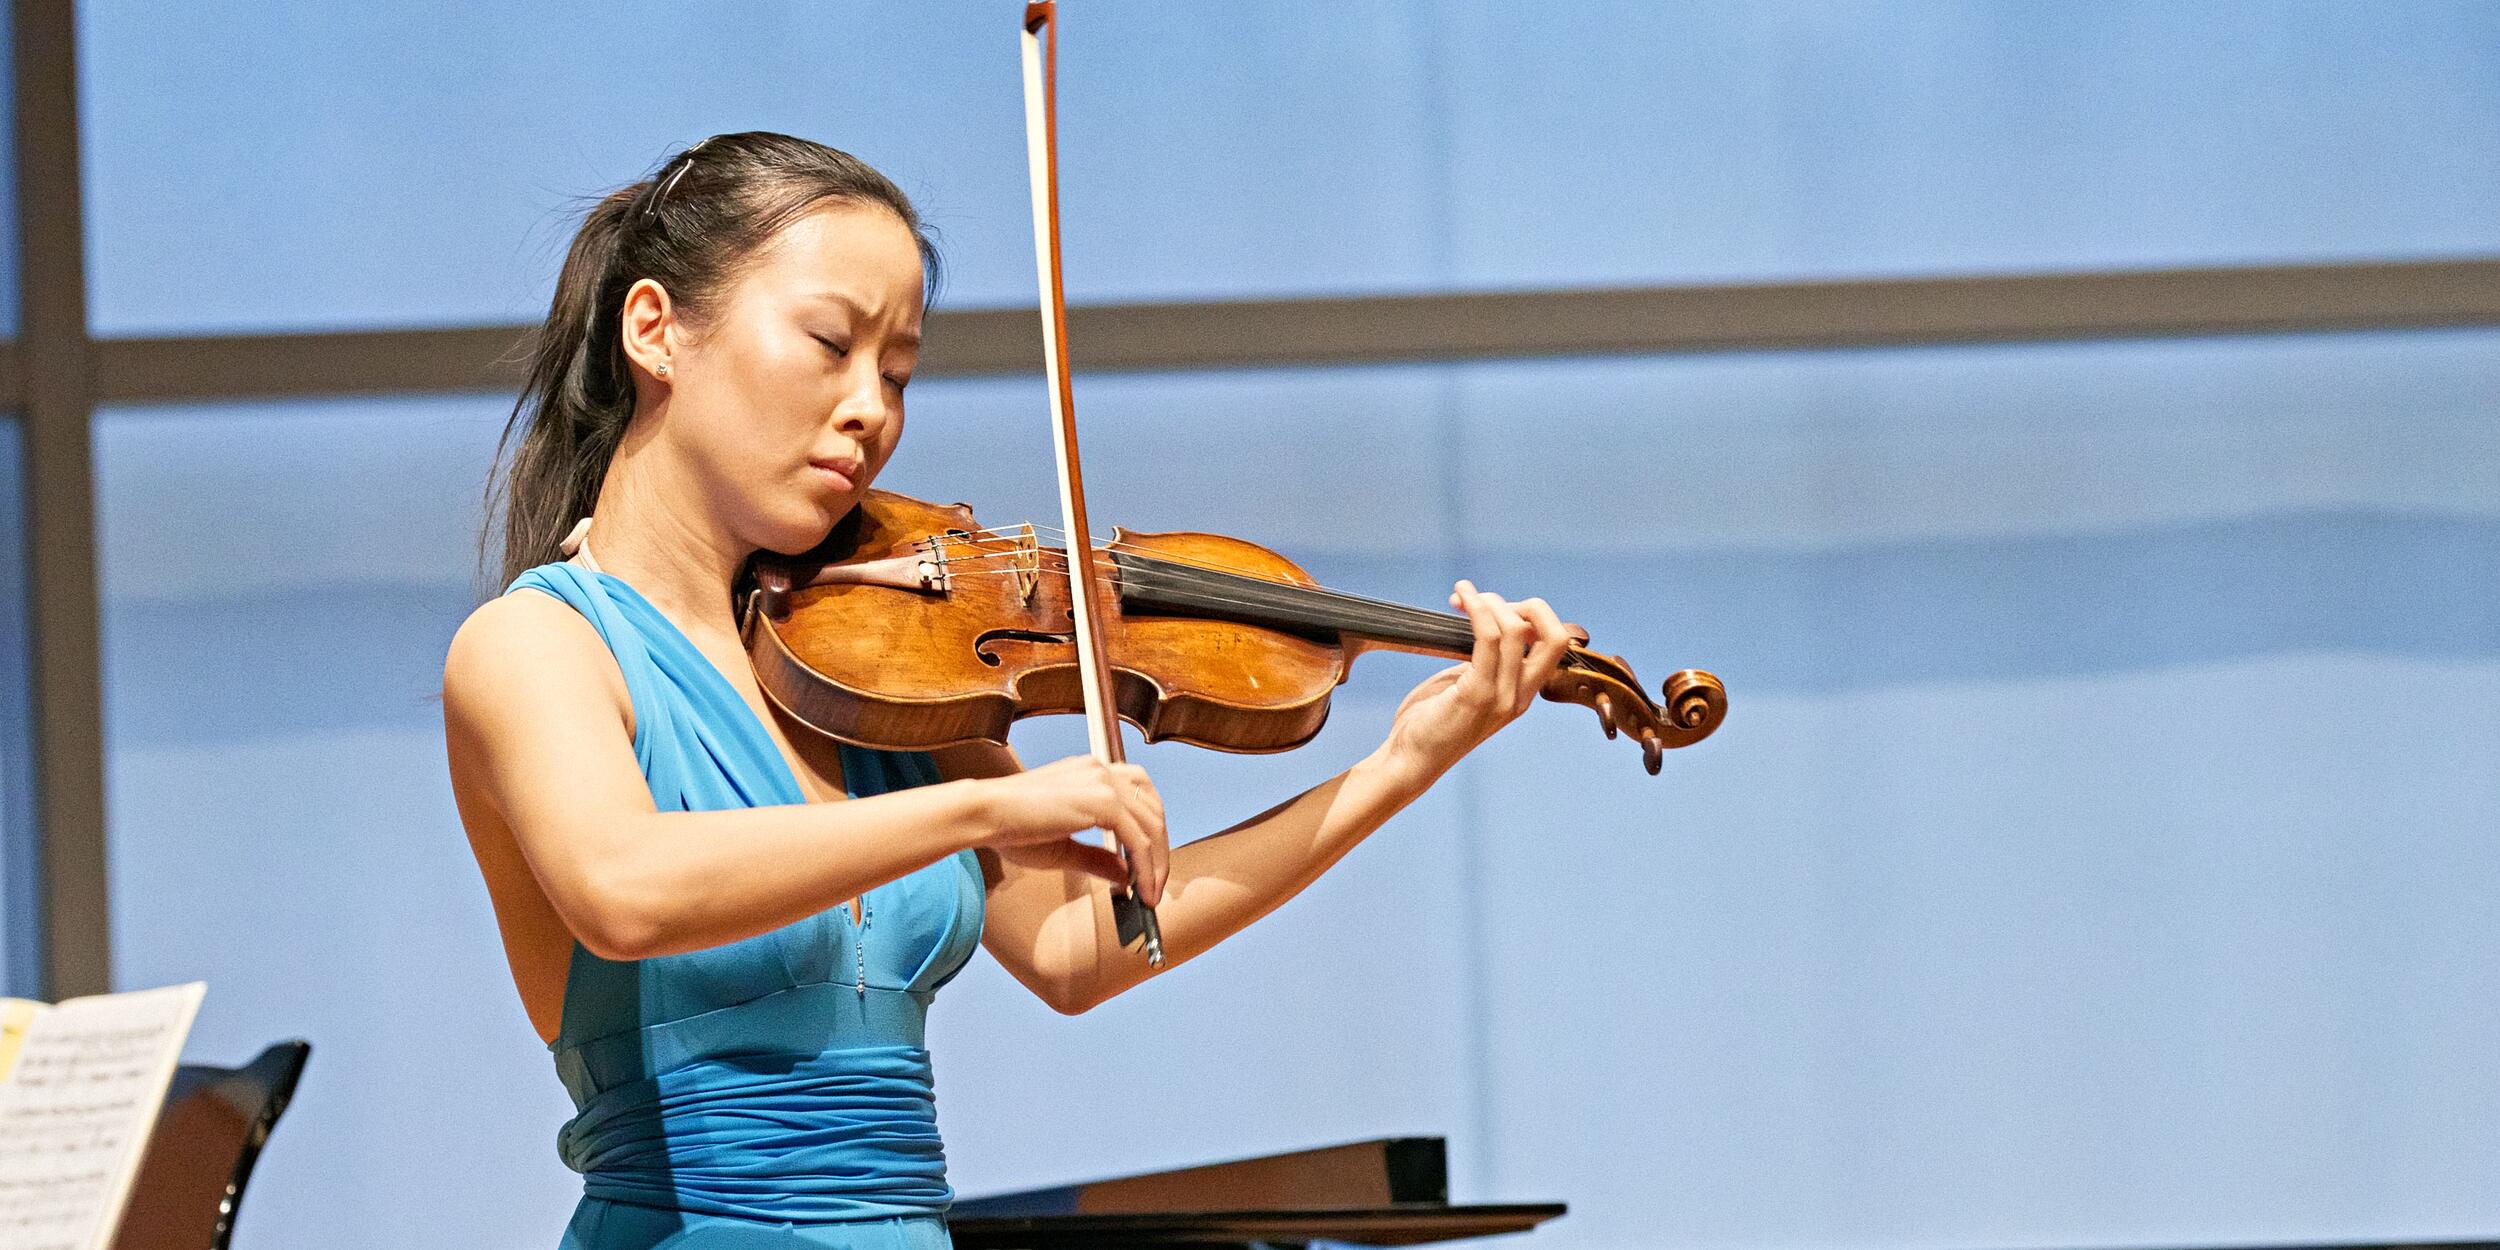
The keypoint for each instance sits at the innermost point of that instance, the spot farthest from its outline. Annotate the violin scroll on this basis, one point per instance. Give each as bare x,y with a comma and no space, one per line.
1695,702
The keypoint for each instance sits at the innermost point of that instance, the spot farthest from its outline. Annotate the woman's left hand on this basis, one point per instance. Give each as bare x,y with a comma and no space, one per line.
1518,647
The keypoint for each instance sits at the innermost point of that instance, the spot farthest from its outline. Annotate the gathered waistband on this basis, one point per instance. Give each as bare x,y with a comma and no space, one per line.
803,1020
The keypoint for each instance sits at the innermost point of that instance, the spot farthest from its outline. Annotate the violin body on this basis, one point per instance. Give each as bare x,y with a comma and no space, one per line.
912,628
989,638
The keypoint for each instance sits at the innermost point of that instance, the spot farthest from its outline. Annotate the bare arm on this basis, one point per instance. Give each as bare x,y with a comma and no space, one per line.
538,728
1053,929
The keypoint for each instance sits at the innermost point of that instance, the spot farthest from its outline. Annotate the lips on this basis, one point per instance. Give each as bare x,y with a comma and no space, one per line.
847,471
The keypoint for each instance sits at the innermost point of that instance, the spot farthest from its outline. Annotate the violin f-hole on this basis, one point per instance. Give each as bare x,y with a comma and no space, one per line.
983,643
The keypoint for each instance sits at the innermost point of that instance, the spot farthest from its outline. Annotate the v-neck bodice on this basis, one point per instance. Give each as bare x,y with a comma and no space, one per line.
779,1077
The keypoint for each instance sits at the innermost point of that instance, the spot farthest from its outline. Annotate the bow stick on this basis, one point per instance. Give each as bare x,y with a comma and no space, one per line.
1132,919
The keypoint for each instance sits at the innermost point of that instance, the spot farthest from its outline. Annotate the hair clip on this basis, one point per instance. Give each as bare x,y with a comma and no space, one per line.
685,161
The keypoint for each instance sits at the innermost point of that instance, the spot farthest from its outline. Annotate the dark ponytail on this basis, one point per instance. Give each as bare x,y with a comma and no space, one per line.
691,227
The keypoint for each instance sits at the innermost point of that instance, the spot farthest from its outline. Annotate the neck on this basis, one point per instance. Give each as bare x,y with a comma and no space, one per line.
1158,584
682,558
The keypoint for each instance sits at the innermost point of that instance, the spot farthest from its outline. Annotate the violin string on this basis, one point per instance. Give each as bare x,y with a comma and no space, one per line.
1145,577
1054,533
1213,567
1011,533
1249,574
1419,617
1019,551
1570,659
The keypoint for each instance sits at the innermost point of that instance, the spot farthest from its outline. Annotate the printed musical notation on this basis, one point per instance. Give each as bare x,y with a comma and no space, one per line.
75,1110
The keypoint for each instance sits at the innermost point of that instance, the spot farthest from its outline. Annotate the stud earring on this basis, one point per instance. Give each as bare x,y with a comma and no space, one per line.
664,369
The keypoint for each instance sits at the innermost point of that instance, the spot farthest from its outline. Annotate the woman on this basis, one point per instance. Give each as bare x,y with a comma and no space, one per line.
727,928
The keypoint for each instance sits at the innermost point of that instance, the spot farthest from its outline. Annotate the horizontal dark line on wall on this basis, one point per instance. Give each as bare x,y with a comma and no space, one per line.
1395,328
481,358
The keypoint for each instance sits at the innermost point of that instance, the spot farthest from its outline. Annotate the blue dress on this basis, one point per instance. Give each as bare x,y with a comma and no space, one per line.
773,1092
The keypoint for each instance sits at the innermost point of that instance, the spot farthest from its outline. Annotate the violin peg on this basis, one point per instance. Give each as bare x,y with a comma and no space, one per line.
1606,714
1653,756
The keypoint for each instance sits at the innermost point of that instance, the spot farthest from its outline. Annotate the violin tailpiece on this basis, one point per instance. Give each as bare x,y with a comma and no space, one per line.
914,572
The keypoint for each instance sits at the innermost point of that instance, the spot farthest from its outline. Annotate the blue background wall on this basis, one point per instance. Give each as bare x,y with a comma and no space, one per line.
2100,852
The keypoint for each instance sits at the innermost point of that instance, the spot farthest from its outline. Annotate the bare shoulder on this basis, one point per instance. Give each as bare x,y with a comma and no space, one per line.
526,647
975,759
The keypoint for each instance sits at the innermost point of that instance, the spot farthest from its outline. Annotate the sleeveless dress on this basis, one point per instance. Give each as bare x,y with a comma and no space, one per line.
774,1092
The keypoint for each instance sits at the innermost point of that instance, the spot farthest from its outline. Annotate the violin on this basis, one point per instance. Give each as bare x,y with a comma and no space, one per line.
911,627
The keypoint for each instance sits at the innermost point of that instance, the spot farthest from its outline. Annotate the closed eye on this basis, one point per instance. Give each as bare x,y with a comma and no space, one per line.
838,349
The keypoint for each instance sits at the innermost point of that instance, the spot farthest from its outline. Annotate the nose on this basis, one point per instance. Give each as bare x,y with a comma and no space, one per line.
865,407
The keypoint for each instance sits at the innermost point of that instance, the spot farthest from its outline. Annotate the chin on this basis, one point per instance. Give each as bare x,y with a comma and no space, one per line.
801,529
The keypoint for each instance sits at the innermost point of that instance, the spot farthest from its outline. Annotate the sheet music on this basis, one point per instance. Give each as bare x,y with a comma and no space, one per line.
76,1109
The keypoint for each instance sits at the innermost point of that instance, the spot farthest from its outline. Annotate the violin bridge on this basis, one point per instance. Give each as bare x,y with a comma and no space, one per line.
1028,562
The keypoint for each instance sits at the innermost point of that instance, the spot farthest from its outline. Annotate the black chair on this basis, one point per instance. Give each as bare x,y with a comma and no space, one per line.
214,1124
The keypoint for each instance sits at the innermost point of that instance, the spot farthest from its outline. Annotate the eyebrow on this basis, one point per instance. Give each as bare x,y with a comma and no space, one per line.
858,310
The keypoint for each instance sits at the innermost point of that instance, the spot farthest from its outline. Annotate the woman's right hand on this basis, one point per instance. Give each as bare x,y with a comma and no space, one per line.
1039,814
